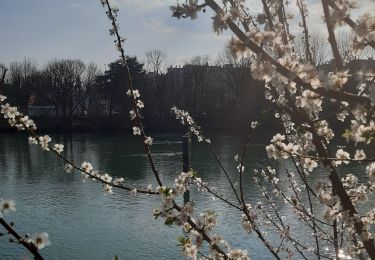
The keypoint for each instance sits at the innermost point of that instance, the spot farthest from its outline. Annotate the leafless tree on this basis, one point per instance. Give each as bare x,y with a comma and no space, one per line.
66,85
156,61
20,79
156,64
89,77
318,47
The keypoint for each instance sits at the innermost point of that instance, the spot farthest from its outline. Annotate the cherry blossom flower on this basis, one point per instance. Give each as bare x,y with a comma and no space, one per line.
148,141
40,240
59,148
136,130
135,93
44,141
190,251
87,167
140,104
105,177
341,154
7,205
107,189
254,124
359,155
371,170
238,254
309,164
68,167
32,140
132,114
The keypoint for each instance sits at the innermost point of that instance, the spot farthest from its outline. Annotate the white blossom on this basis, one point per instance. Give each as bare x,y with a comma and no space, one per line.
107,189
140,104
59,148
44,141
148,141
238,254
87,167
135,93
32,140
309,164
359,155
254,124
40,240
7,205
136,130
68,167
370,170
342,155
105,177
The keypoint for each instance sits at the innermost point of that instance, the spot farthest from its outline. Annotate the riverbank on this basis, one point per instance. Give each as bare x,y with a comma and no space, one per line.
221,123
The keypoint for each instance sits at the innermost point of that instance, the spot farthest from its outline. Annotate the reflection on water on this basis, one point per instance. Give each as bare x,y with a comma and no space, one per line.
85,224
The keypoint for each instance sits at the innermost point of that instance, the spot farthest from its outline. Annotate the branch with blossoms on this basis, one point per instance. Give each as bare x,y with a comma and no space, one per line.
24,123
200,228
299,89
33,244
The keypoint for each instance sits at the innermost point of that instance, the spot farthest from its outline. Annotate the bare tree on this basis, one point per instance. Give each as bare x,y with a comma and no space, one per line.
20,79
89,77
66,85
156,61
156,64
318,47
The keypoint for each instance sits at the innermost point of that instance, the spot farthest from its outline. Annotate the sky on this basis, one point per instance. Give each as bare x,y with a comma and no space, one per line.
49,29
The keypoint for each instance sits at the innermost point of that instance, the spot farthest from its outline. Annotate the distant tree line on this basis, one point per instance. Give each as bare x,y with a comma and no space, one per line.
70,89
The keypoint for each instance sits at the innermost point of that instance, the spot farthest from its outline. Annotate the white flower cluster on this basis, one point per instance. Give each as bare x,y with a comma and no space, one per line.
6,205
40,240
134,113
342,156
361,133
187,120
189,9
15,118
44,141
248,219
365,31
88,171
279,150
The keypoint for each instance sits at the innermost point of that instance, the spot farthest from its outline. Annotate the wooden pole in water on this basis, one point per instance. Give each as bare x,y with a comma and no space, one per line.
186,162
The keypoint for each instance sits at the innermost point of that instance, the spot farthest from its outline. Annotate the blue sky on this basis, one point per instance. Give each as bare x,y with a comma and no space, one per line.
47,29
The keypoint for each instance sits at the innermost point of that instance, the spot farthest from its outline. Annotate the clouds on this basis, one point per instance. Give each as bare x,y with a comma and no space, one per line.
45,29
74,5
145,5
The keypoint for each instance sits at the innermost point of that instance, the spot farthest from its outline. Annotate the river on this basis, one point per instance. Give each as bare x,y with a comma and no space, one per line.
84,223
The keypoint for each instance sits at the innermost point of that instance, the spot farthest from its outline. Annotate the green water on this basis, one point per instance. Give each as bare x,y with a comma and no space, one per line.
83,223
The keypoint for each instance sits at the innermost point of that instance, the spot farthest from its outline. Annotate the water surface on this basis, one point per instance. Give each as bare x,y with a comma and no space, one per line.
83,223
